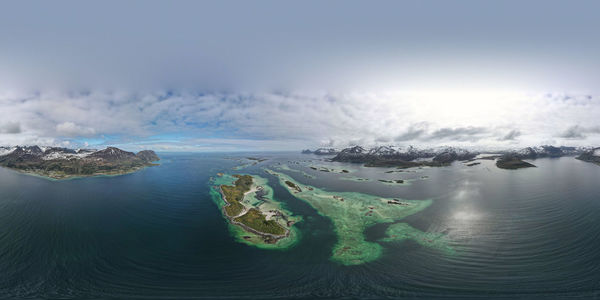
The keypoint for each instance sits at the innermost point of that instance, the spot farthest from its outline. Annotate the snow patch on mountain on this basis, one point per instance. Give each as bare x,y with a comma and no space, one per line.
441,154
7,150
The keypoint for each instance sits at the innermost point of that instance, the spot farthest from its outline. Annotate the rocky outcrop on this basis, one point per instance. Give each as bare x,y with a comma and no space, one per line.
147,155
353,154
453,154
113,154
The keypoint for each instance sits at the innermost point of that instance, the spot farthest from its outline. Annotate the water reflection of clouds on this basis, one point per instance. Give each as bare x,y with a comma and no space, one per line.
464,215
467,191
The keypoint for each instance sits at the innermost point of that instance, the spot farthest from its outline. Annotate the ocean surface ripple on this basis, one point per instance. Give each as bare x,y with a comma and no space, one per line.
156,234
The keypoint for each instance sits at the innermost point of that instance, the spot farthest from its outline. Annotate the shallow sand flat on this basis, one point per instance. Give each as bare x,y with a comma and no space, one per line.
402,231
351,213
285,167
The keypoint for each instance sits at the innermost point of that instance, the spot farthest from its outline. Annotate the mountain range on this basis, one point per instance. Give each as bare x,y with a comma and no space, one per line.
403,156
59,163
321,151
591,155
412,157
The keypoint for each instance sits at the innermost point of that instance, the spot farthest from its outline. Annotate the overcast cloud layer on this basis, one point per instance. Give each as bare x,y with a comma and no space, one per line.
286,121
200,76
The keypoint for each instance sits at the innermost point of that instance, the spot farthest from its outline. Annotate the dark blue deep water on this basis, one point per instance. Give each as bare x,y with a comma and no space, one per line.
157,234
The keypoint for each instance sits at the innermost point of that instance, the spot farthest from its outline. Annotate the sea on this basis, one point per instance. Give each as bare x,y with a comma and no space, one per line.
156,233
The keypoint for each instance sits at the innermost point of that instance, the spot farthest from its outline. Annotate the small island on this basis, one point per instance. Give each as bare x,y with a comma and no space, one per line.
63,163
512,163
256,218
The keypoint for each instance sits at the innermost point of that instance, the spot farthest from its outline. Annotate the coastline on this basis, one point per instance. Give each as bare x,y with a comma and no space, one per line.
72,177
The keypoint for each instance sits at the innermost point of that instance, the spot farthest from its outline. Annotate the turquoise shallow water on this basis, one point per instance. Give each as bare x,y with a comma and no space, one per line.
157,234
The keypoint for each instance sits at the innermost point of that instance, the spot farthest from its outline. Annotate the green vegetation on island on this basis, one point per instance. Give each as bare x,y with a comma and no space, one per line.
512,163
234,194
257,221
351,213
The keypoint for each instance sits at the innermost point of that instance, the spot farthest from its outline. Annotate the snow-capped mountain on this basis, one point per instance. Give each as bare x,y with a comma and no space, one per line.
45,153
56,162
34,153
591,155
321,151
545,151
6,150
395,153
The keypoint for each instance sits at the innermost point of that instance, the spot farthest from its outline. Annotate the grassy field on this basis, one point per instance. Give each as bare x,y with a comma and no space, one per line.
235,194
253,218
257,221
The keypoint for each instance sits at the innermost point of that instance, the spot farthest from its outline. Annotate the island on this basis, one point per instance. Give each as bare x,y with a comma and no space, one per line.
512,162
351,213
254,216
64,163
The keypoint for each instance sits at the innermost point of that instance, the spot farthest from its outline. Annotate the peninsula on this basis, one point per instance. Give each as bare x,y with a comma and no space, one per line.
592,155
63,163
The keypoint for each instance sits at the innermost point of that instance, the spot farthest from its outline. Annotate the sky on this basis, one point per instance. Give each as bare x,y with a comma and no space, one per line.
289,75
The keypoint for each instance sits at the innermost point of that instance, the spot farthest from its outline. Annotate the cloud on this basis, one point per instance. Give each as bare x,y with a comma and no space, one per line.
469,133
413,132
383,139
288,120
573,132
10,128
511,135
577,132
71,129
